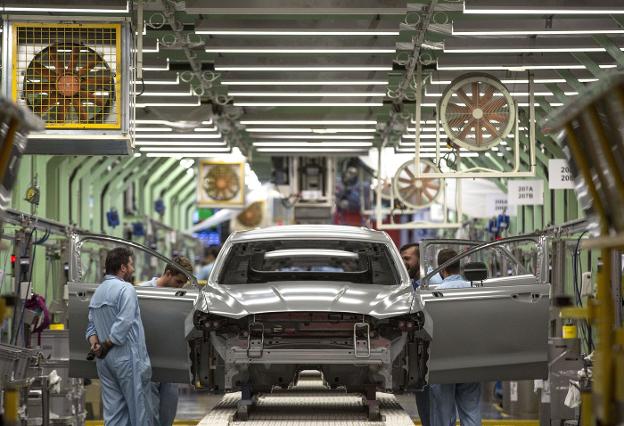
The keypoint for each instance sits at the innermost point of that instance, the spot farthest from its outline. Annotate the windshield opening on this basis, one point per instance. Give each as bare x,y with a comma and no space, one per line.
309,260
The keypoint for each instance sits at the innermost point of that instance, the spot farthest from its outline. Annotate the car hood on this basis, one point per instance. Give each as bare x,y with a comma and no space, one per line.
237,301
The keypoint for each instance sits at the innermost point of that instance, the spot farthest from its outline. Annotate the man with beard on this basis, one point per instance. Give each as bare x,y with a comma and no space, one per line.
410,254
411,257
115,333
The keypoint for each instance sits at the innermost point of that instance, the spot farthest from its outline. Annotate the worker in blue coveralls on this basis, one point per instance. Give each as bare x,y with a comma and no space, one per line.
463,397
410,253
165,395
115,333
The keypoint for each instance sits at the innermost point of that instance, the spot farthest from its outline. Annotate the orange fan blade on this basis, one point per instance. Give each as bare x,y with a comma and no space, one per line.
73,60
82,114
495,104
475,93
98,100
97,81
54,60
94,59
37,70
460,92
490,128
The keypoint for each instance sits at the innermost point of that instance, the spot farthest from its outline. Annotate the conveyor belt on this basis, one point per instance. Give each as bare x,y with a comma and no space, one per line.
308,403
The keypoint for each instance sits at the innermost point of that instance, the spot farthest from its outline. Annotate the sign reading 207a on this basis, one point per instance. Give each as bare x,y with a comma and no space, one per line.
560,175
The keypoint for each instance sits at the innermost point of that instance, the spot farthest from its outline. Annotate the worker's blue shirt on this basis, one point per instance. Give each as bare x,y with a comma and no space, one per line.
150,283
204,272
433,281
453,281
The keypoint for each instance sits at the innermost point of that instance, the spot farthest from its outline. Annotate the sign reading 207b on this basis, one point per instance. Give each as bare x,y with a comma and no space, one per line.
559,175
525,192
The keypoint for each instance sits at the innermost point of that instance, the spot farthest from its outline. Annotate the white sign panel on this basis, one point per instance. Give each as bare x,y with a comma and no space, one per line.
496,204
559,175
525,192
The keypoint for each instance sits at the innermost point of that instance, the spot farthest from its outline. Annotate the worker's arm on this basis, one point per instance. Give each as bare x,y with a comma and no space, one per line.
128,305
90,328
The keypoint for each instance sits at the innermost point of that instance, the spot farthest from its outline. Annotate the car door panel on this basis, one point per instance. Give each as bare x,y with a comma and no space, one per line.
163,312
488,333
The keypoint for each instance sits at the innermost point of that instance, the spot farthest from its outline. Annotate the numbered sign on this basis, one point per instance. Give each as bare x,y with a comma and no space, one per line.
525,192
496,204
559,175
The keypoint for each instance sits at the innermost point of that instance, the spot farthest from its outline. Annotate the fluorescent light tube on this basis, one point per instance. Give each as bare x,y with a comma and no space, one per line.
312,144
307,130
307,122
167,104
535,32
311,104
180,136
180,143
329,150
538,11
308,94
184,155
153,129
305,83
205,129
304,33
277,50
315,137
183,149
302,68
61,10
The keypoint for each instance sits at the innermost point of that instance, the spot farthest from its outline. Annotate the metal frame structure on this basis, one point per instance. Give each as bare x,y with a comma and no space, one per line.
107,140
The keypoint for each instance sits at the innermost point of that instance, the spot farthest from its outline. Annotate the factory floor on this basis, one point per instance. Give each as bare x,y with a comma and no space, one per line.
193,406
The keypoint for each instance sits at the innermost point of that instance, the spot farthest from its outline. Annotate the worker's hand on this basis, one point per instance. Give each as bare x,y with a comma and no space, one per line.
104,348
96,347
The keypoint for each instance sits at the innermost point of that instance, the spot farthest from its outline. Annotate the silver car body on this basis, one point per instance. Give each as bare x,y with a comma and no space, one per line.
390,335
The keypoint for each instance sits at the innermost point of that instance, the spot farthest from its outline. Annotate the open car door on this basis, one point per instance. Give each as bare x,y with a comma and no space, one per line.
495,330
163,312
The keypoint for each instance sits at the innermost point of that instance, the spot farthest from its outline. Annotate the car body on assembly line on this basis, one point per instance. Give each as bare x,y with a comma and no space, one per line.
336,299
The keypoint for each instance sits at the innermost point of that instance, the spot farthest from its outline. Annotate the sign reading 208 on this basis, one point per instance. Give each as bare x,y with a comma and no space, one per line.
559,175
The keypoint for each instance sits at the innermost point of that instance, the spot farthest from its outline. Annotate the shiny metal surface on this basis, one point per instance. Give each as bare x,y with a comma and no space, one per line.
77,240
163,312
488,333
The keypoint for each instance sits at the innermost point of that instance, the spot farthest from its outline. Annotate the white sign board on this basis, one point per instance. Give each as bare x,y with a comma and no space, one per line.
559,175
496,204
525,192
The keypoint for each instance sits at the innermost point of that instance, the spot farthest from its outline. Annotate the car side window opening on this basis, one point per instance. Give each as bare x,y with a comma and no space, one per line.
309,260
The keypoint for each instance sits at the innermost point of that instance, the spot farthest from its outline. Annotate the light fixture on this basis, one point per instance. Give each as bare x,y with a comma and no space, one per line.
295,33
304,83
187,163
308,94
307,122
183,155
307,130
302,68
329,150
180,143
180,136
305,104
537,11
156,67
167,122
187,93
167,104
518,68
158,82
522,81
47,9
184,149
205,129
526,50
278,50
312,144
153,129
535,32
316,137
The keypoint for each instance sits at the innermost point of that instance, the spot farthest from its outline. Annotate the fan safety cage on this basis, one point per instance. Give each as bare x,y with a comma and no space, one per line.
221,184
69,74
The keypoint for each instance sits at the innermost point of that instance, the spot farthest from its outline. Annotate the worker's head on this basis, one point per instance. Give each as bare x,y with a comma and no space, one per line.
444,256
172,277
210,254
119,262
411,257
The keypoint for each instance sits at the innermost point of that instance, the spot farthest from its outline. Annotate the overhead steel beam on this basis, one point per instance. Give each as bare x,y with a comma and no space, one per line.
209,24
571,80
543,6
612,47
472,45
309,41
589,63
288,61
302,76
512,62
172,197
297,7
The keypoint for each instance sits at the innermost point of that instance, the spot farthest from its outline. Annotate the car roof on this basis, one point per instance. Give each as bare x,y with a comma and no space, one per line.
335,232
